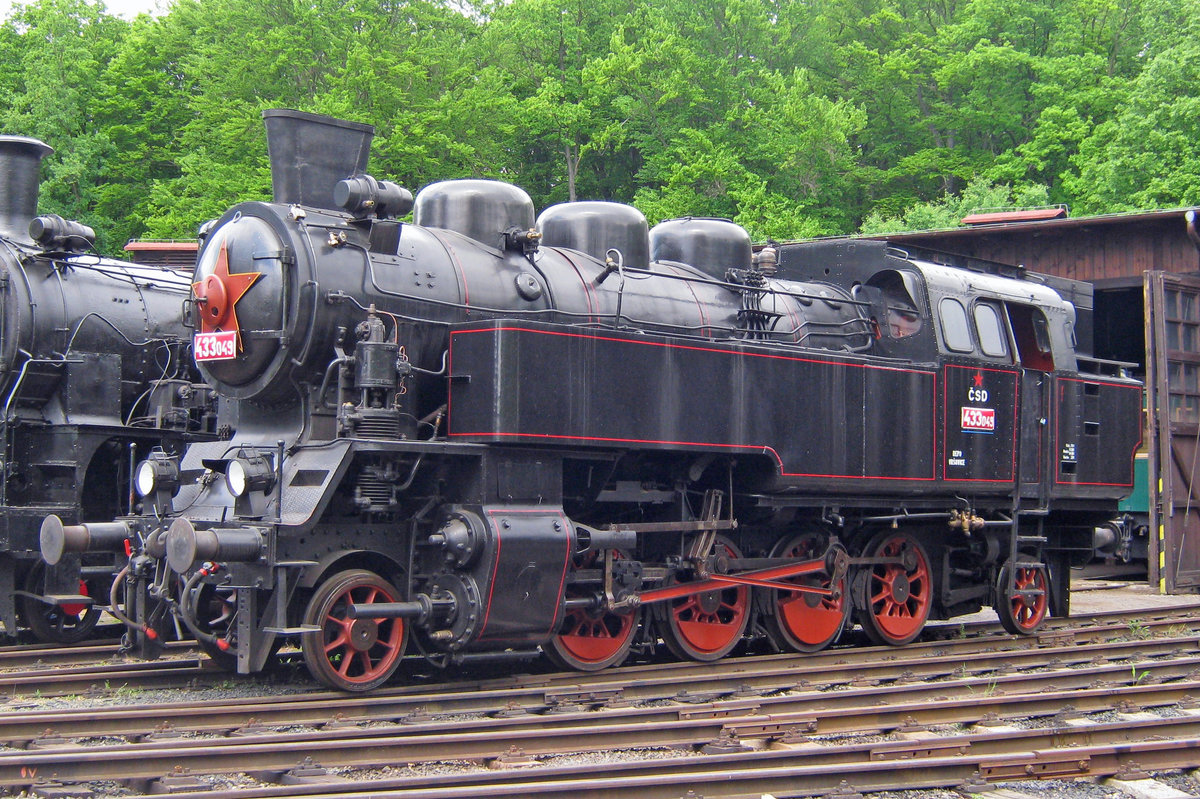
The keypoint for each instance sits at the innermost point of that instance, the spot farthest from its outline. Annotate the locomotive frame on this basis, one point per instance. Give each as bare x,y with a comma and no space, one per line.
481,435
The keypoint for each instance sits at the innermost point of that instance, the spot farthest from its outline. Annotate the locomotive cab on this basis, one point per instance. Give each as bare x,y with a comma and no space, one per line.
1017,415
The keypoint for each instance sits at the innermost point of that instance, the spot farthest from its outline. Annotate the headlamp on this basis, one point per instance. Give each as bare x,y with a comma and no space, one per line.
157,473
254,473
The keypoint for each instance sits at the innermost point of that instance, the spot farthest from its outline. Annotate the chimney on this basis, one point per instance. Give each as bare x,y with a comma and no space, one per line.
310,153
20,174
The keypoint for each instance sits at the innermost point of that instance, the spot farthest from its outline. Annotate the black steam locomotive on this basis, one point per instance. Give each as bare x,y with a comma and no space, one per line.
95,369
479,433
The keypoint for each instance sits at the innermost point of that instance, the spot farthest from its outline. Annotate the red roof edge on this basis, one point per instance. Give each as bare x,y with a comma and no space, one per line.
1000,217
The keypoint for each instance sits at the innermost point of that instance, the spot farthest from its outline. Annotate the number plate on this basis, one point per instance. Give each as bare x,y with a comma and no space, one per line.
979,420
220,346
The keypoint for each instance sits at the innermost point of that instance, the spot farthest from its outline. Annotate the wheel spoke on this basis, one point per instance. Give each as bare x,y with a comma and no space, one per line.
801,621
898,600
1019,611
342,639
691,630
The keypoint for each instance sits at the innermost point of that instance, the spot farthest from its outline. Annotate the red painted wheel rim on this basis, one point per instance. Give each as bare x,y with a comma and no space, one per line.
360,650
589,639
595,639
899,597
711,621
1028,612
811,619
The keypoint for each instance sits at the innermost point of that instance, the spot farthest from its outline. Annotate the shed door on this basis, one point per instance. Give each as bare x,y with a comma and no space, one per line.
1173,388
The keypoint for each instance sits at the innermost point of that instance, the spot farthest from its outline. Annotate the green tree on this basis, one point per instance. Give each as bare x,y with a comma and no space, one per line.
56,51
545,50
142,105
948,211
391,63
1148,154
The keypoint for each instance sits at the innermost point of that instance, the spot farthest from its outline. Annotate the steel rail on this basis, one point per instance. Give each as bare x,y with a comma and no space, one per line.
108,676
1058,751
355,746
766,676
78,657
738,780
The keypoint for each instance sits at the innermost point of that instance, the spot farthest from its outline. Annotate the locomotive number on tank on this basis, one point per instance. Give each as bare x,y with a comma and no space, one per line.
220,346
978,420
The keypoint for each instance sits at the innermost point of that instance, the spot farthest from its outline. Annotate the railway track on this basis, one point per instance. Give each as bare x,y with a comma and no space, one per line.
99,670
767,713
779,681
107,651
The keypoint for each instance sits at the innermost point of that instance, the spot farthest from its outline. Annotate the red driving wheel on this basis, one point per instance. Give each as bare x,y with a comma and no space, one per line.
895,598
591,640
352,654
707,625
806,622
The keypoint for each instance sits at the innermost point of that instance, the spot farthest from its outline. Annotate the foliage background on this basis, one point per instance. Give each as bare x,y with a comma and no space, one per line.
794,118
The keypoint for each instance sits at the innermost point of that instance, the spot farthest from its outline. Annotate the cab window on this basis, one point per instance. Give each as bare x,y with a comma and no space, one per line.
903,321
992,340
1031,331
900,294
956,329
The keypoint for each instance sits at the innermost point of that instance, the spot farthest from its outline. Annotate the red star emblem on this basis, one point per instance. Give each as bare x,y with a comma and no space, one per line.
217,296
978,379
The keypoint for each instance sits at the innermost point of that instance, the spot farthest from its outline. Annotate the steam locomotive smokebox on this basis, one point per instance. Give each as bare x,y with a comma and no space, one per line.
310,153
595,228
20,174
481,210
711,245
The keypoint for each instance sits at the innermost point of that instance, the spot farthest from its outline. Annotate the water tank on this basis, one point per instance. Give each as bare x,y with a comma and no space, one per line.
478,209
597,227
713,246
